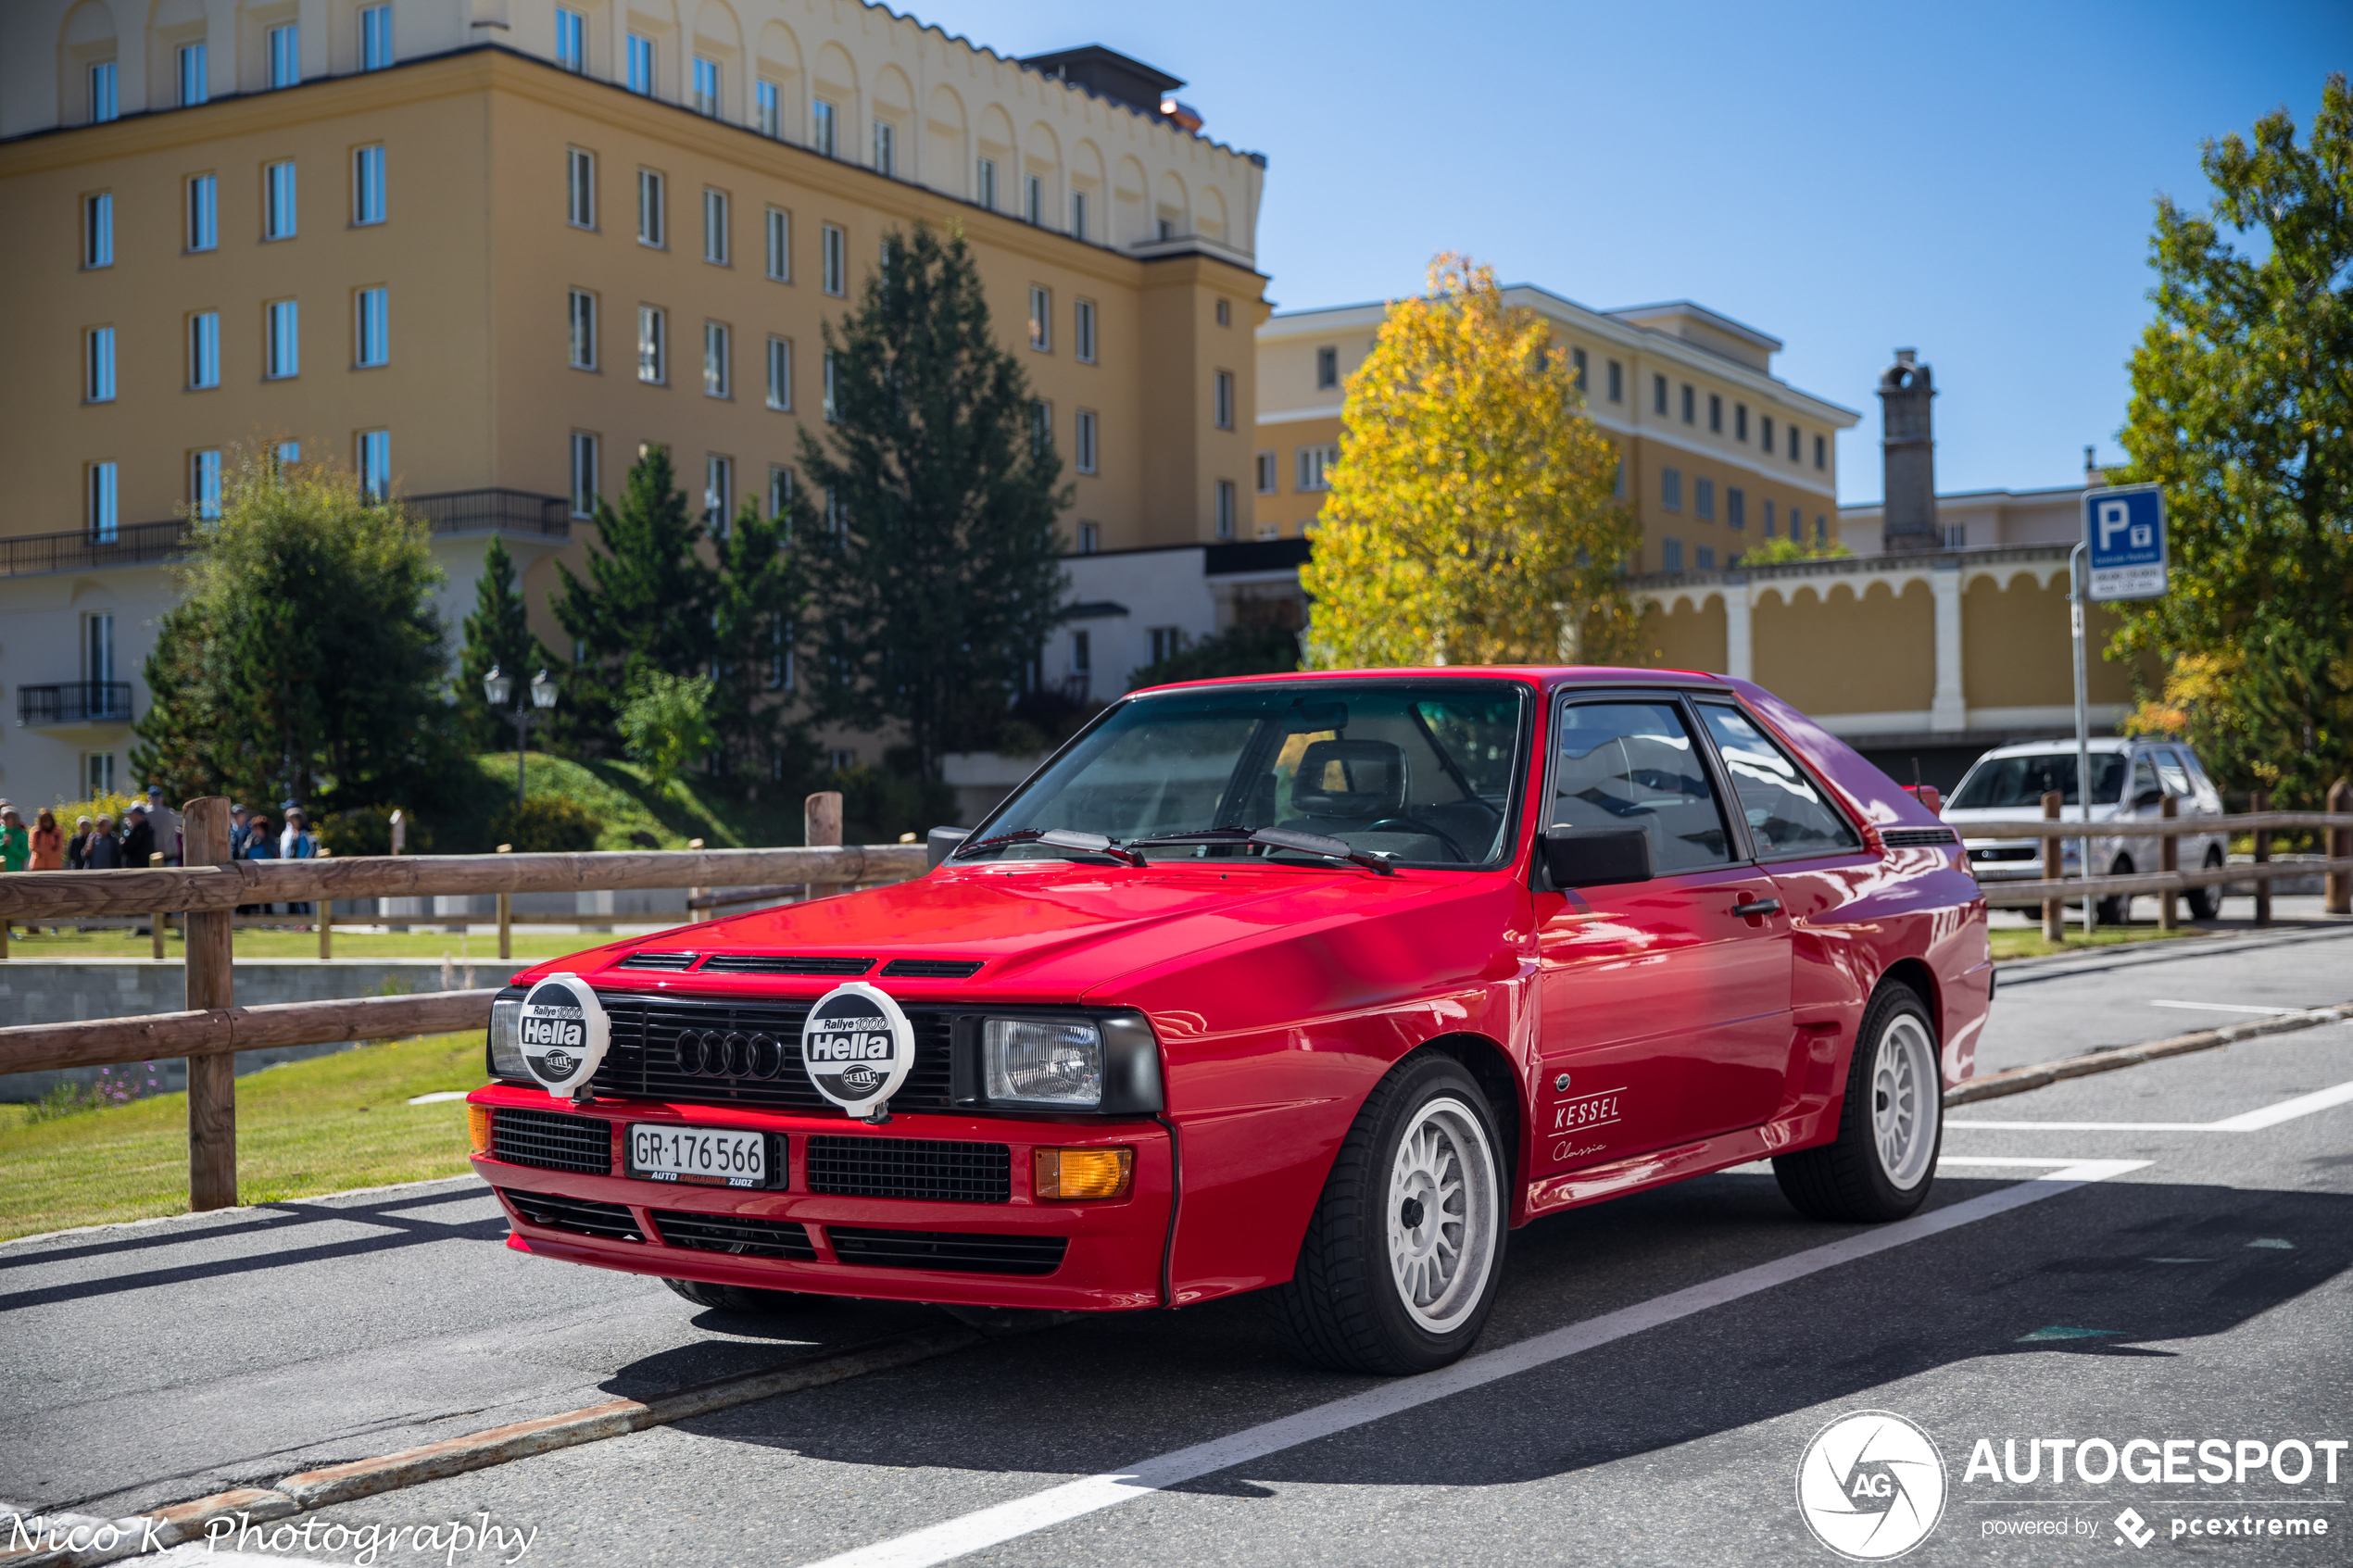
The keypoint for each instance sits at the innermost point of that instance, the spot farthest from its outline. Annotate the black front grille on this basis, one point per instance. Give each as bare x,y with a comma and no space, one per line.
1914,838
645,1062
773,963
2023,853
657,960
725,1233
950,1251
922,1168
610,1221
931,969
551,1141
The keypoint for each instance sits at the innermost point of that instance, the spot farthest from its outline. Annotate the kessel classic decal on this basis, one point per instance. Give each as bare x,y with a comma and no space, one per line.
857,1046
564,1033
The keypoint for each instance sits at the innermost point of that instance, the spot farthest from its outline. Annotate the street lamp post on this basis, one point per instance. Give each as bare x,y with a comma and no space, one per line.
500,689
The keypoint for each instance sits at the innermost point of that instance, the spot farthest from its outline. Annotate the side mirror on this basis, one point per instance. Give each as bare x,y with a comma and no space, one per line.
1596,857
942,842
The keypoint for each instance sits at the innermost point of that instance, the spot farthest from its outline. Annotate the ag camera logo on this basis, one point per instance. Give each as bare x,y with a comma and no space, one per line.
1870,1486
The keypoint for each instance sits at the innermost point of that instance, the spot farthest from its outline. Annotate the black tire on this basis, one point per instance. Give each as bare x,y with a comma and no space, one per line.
1346,1305
737,1297
2116,909
2206,903
1848,1179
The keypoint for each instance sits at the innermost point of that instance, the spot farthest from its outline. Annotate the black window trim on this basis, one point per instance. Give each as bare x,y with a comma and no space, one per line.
1829,797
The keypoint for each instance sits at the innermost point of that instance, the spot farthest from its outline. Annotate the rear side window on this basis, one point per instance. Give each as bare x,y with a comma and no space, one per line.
2169,769
1633,764
1787,815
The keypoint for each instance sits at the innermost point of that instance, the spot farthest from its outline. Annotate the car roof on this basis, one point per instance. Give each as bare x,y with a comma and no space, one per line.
1547,676
2067,748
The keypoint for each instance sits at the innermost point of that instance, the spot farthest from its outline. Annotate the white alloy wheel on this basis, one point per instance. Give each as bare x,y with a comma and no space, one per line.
1442,1214
1907,1103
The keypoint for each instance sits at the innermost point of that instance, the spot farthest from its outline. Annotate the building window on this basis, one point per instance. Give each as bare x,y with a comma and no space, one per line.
1772,523
1577,368
286,455
779,491
714,227
1082,331
833,410
833,260
885,148
1703,499
1225,312
97,646
1670,555
1314,464
1033,198
650,208
1689,403
106,103
583,474
278,201
1739,422
779,245
1091,538
204,484
1085,431
1041,319
1616,381
1715,414
204,350
571,41
283,332
102,514
1763,433
581,314
653,335
1225,509
97,768
1821,453
780,374
1326,369
375,38
1041,425
1707,557
641,65
1670,489
1792,444
1658,395
718,488
707,87
97,230
580,188
714,361
1081,654
375,463
822,119
97,365
367,185
768,109
1735,507
286,56
780,638
1956,535
1617,476
1167,643
985,186
1221,399
1078,214
1267,474
373,335
1821,530
196,83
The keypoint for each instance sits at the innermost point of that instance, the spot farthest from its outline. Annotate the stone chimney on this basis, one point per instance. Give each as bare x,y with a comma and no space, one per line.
1907,448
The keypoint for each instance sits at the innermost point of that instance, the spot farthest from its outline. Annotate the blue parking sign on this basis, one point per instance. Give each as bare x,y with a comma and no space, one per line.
2125,530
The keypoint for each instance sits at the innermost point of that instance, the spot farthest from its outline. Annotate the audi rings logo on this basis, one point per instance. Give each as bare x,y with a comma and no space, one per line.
729,1053
1871,1485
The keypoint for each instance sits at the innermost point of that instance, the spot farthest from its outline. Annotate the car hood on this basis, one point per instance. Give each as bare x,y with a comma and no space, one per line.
1962,819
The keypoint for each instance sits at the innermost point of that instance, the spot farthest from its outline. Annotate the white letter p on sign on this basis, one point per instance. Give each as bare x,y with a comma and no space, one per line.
2114,518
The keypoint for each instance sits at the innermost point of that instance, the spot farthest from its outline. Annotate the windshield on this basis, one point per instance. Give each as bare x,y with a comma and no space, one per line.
1419,771
2019,783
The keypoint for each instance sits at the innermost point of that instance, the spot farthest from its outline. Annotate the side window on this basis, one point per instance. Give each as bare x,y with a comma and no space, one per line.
2169,769
1633,764
2145,784
1787,815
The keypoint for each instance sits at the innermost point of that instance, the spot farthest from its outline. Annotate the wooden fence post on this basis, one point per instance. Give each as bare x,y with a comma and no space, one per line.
2054,868
506,917
326,917
2340,843
694,915
2169,859
821,823
160,920
211,983
2261,801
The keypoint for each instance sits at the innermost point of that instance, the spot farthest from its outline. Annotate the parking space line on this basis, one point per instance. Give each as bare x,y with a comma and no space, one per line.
2188,1007
991,1527
2246,1122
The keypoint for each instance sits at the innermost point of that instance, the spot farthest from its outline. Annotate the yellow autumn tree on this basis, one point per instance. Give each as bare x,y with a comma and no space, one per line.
1472,518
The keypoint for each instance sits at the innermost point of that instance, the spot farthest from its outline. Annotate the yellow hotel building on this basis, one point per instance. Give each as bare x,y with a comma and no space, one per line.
481,251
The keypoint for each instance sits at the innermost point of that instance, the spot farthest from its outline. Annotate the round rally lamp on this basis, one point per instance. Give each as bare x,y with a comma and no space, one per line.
857,1047
564,1032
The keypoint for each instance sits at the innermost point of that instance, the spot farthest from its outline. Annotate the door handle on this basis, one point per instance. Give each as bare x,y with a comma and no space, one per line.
1761,907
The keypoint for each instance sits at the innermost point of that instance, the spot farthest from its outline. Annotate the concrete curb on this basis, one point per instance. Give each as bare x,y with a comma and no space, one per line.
2131,955
2017,1079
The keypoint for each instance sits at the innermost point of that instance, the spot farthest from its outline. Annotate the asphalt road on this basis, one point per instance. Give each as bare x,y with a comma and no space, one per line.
1644,1394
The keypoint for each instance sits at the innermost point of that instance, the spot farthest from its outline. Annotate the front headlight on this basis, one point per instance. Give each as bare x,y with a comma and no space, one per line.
1043,1062
505,1039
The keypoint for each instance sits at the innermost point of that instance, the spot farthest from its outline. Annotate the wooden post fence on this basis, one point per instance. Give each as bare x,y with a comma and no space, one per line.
2339,901
2169,859
506,916
2054,869
821,826
160,921
2261,802
210,977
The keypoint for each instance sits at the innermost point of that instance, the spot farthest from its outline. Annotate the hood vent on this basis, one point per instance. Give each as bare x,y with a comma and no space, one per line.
657,960
771,963
931,969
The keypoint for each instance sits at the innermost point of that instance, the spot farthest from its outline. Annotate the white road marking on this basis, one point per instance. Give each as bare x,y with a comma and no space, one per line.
2228,1006
2246,1122
992,1526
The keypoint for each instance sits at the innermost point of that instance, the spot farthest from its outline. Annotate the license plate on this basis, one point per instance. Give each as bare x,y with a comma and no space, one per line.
711,1156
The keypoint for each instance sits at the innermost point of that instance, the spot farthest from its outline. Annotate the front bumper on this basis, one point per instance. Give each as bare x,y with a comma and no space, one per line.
997,1253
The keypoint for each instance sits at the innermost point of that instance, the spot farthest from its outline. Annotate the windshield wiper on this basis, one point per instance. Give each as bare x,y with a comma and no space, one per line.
1272,838
1058,838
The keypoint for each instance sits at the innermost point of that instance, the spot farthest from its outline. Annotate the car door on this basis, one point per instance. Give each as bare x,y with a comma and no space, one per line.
1665,1004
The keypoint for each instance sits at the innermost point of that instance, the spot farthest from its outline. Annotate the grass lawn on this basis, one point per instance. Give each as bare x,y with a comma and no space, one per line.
303,1128
474,947
2026,941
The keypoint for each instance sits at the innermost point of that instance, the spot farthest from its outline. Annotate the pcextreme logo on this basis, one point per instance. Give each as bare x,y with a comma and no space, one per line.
1870,1486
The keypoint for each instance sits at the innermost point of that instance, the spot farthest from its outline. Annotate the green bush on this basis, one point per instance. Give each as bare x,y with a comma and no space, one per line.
1237,650
549,824
877,805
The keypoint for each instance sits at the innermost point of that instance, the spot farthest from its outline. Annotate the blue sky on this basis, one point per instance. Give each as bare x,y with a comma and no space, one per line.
1972,181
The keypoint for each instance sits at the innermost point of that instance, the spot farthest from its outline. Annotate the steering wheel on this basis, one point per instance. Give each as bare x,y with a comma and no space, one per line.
1410,824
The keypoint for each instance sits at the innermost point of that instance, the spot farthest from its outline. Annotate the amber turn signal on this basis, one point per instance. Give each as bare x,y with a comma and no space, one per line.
1070,1175
478,1128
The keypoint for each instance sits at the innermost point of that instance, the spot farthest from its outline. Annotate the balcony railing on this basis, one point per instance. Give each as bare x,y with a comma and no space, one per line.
31,554
484,511
75,702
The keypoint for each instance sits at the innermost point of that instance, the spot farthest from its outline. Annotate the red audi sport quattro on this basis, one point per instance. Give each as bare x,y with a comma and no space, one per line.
1317,984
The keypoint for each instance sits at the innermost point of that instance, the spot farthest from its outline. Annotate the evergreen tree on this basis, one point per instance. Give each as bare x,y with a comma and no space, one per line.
757,595
931,560
498,634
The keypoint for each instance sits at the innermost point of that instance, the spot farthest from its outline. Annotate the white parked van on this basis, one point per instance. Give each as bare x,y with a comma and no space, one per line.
2131,779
